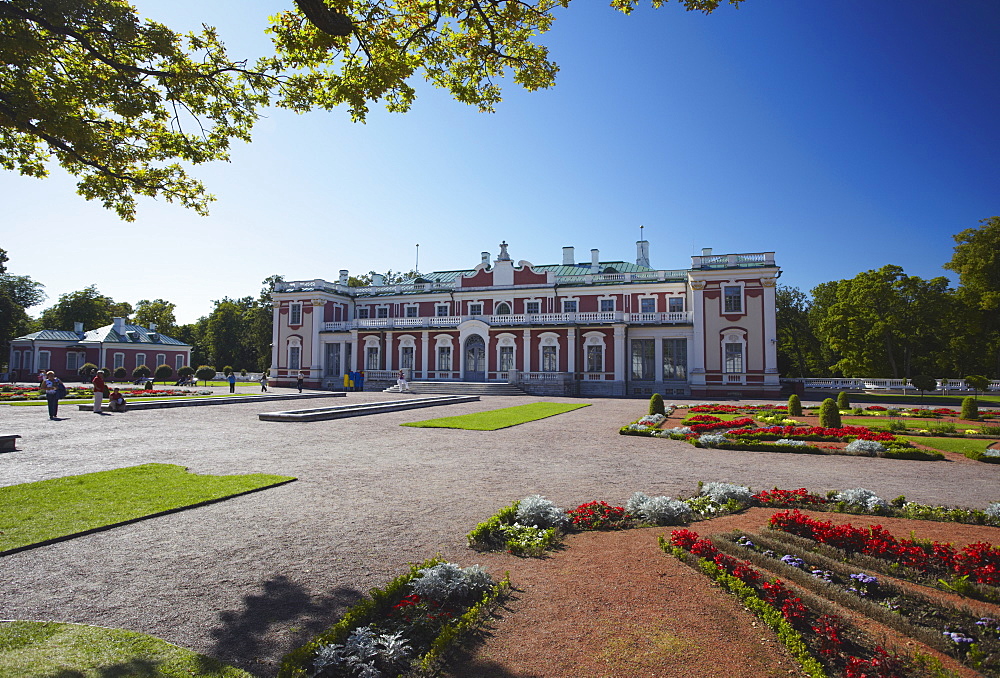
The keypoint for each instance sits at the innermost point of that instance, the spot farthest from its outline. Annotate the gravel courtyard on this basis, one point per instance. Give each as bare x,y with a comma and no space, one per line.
247,579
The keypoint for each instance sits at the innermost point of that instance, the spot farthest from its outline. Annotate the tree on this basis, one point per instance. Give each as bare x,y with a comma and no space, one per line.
140,372
923,383
156,312
87,306
799,352
120,102
17,293
978,383
388,278
976,259
163,373
205,373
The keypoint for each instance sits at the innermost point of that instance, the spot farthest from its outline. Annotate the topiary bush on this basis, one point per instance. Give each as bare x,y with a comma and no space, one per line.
140,372
794,406
656,404
227,370
970,409
829,414
120,374
163,373
205,373
186,371
842,401
87,369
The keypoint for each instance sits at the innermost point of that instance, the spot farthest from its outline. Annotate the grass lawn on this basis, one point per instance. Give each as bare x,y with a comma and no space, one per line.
497,419
49,509
954,401
957,445
911,422
48,649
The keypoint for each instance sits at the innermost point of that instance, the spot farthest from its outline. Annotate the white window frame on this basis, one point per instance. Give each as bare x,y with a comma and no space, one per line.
372,343
140,359
441,364
733,338
442,310
594,340
161,359
670,302
15,360
411,311
508,305
643,299
537,302
72,361
571,301
725,297
476,308
611,300
361,313
382,311
294,343
503,341
27,362
178,362
118,361
45,360
407,341
548,340
443,341
295,309
687,353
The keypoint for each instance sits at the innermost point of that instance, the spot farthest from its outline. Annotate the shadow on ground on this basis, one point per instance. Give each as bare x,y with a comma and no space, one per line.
277,620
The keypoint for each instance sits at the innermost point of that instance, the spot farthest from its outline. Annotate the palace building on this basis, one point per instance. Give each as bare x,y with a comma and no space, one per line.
599,328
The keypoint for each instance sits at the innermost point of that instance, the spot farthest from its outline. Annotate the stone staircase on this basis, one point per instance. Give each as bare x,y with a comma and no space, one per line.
459,388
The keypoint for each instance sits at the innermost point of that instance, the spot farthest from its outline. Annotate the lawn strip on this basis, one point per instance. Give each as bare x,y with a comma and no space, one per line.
45,649
492,420
48,511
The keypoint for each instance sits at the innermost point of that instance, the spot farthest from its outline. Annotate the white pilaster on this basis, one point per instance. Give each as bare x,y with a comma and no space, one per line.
620,353
425,339
697,367
770,332
526,353
571,348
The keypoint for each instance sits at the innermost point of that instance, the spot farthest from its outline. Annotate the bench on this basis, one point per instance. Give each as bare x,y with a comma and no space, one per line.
8,442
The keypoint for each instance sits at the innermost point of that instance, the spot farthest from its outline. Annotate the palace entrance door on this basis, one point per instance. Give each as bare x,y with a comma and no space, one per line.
475,359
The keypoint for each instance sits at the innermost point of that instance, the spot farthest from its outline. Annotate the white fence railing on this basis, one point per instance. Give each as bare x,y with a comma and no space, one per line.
943,385
520,319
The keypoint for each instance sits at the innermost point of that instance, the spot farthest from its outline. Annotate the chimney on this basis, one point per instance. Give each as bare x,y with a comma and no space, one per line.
486,258
343,277
595,259
706,251
378,279
78,328
569,258
152,327
119,325
642,253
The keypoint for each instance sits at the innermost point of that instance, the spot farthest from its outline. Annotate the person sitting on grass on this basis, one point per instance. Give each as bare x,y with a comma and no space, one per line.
117,402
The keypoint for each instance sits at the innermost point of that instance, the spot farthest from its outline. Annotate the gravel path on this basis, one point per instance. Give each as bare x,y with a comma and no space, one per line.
246,580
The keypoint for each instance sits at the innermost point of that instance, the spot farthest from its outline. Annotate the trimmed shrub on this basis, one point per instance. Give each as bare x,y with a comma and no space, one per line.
970,409
163,373
829,414
656,404
842,401
121,374
140,372
227,370
87,369
205,373
185,371
794,406
922,383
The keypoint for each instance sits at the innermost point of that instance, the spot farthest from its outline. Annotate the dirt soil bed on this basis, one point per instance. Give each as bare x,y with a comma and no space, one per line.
612,604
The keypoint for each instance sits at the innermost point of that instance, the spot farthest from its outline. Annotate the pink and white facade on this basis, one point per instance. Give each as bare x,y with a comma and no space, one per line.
590,329
112,346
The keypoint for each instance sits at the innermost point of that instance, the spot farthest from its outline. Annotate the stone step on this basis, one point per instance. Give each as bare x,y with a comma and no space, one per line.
153,404
361,409
459,387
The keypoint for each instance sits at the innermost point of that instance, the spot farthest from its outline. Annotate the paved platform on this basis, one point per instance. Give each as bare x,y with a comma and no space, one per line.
152,404
362,409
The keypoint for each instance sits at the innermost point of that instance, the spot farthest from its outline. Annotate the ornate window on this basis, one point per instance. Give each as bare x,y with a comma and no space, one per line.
444,358
503,308
593,347
506,352
675,358
733,298
548,351
295,314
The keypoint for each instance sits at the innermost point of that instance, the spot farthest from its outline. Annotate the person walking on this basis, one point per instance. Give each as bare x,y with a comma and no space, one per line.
401,382
54,390
232,382
298,381
100,389
263,382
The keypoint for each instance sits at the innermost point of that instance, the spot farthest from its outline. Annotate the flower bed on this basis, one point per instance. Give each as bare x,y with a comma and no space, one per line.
403,629
21,393
980,561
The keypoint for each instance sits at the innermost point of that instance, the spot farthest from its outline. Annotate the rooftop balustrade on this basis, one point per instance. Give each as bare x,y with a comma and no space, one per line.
666,318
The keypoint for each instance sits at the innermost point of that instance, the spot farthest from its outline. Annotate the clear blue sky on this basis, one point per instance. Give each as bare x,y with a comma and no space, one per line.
841,135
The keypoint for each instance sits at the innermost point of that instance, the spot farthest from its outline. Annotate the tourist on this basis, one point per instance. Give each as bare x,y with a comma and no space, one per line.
100,390
54,390
232,382
116,403
263,382
298,381
401,381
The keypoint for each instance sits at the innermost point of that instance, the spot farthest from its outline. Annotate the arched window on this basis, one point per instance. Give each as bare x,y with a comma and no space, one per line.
593,351
506,352
294,353
503,308
548,352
